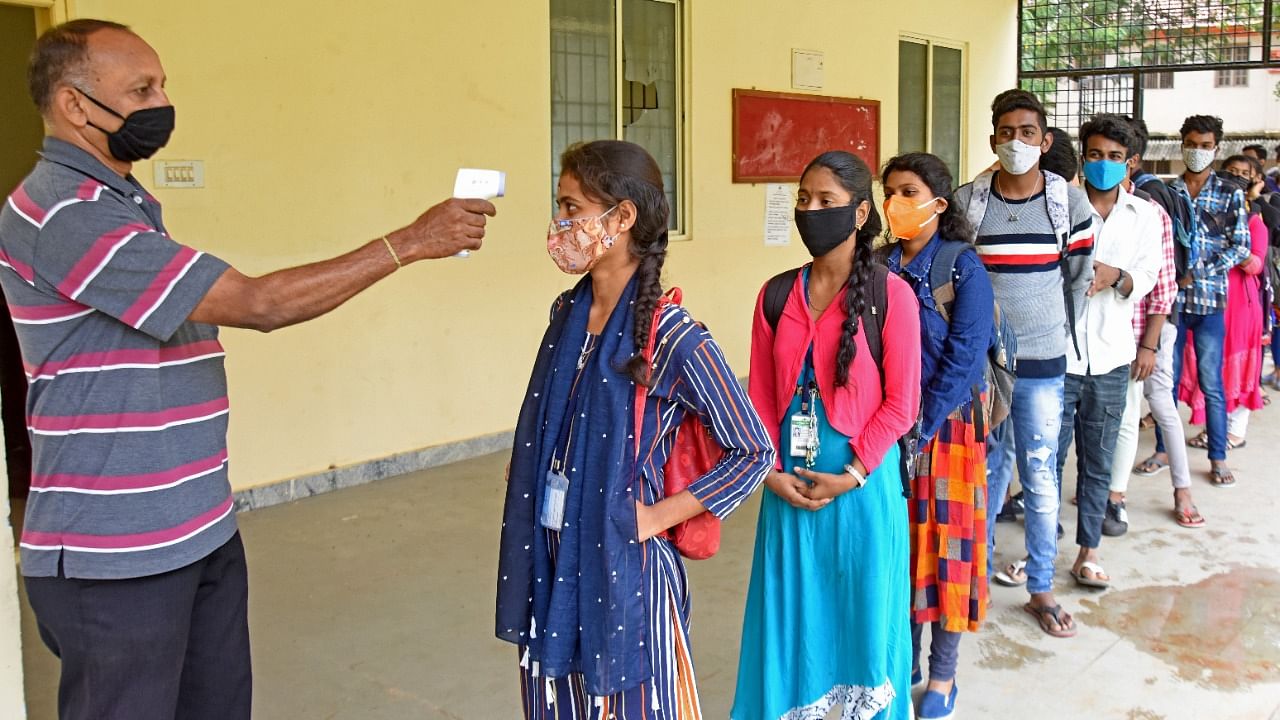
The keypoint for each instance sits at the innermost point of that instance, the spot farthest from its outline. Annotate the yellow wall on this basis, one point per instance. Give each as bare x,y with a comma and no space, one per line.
324,126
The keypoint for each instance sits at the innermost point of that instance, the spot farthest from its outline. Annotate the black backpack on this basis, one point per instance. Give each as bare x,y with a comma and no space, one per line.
776,292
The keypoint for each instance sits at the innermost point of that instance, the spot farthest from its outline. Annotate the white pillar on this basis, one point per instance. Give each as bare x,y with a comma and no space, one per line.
12,699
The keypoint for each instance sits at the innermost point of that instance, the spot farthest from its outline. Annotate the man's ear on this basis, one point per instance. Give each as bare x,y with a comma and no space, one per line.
68,104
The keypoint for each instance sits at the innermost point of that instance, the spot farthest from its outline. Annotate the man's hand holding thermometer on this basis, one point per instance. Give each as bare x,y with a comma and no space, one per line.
475,184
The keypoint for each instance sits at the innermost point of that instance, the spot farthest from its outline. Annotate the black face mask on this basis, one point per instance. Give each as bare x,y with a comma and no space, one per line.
143,133
823,230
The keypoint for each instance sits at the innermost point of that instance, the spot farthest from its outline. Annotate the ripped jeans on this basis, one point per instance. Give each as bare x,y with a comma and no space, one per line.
1035,422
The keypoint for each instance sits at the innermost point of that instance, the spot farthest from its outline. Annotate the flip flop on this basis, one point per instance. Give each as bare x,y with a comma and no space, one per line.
1233,445
1150,466
1048,617
1091,582
1014,574
1188,516
1200,441
1221,477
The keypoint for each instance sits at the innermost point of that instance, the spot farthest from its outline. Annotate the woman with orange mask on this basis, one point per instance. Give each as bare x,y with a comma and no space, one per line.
947,509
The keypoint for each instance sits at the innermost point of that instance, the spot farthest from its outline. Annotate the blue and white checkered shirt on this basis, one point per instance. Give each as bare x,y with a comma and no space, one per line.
1220,243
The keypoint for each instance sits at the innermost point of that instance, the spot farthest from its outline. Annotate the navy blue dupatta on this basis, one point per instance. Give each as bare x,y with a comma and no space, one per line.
587,612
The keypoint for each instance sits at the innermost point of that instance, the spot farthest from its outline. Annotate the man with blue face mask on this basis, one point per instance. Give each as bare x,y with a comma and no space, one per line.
1219,242
1127,257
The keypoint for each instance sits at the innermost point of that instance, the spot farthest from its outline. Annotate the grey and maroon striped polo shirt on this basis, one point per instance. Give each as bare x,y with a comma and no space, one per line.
127,400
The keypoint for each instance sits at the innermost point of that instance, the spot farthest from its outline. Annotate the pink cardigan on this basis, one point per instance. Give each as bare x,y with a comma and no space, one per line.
873,423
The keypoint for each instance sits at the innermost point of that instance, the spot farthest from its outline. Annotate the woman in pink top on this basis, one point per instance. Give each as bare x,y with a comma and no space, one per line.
826,620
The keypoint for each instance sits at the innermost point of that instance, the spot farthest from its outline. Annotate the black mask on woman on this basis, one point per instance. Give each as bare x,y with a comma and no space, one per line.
143,133
823,230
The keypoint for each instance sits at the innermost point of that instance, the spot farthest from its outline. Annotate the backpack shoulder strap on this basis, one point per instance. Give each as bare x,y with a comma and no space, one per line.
979,195
1058,200
873,316
776,293
942,276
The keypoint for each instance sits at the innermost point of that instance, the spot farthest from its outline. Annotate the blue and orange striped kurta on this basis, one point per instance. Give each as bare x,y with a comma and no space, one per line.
689,374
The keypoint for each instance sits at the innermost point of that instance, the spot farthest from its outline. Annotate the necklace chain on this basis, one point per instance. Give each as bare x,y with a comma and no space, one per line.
1013,217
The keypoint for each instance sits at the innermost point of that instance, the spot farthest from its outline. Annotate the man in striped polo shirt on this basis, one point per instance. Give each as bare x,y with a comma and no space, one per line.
1035,236
132,561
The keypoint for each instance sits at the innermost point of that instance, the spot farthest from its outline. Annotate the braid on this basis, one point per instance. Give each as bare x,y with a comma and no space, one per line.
855,304
648,292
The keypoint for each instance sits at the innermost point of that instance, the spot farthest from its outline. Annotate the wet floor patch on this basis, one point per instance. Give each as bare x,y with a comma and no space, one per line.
998,651
1221,633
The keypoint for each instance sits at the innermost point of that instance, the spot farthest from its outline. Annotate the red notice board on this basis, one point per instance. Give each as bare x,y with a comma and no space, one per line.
776,134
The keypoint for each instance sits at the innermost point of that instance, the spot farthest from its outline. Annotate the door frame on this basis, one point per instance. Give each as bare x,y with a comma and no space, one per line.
12,693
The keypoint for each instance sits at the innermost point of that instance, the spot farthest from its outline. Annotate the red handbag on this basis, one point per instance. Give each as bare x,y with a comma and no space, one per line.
693,454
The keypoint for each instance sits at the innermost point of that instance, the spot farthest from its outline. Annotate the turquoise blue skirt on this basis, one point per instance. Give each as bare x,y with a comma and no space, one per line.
826,622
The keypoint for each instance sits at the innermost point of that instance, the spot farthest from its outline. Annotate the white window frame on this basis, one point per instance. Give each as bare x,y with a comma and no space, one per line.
682,211
930,42
1234,77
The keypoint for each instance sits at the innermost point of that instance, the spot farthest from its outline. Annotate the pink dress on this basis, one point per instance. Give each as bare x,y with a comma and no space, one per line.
1242,349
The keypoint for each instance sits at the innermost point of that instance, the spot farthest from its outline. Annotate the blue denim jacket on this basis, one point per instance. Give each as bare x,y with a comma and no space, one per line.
953,357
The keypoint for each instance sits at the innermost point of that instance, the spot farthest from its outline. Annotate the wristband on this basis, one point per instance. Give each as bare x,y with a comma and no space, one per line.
1144,347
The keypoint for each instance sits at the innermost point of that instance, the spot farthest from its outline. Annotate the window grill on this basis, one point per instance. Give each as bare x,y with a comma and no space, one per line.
1089,56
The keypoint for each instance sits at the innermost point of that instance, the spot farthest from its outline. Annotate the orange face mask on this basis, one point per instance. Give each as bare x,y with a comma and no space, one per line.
906,219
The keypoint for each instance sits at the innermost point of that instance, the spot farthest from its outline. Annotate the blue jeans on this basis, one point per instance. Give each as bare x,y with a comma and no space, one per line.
1275,336
1035,422
1093,406
1210,333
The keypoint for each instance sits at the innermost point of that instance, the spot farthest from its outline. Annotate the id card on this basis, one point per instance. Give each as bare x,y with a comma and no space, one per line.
804,434
553,499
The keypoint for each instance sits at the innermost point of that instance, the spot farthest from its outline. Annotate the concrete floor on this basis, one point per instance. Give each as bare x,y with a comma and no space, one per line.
376,603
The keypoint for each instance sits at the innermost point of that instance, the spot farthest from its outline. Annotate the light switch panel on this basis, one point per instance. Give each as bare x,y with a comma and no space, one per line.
179,173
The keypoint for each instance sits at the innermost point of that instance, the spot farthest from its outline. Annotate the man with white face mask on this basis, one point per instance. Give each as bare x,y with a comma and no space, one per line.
1220,242
1035,237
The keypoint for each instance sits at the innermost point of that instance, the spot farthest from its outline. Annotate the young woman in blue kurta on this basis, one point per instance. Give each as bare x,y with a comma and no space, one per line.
825,621
590,588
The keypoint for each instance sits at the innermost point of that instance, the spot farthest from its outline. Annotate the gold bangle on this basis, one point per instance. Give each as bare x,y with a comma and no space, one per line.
393,252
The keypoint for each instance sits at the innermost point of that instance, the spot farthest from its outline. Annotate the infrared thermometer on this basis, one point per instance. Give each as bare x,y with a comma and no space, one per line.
477,184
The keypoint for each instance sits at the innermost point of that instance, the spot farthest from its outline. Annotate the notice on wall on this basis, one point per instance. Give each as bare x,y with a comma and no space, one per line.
779,209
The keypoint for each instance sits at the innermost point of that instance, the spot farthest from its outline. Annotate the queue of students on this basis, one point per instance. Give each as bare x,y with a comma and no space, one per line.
867,416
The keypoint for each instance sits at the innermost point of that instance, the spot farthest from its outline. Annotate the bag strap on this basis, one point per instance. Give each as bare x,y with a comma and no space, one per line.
873,317
942,276
776,293
670,297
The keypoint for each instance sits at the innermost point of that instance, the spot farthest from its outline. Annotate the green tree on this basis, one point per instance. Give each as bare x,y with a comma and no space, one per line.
1066,35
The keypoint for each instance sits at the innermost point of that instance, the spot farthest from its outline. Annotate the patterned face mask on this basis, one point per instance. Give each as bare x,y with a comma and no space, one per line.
577,244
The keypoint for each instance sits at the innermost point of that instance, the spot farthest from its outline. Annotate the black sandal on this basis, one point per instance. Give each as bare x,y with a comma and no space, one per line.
1045,615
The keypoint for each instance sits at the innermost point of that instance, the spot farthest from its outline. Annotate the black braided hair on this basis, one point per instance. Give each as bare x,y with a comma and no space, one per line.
611,171
855,177
952,224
